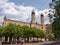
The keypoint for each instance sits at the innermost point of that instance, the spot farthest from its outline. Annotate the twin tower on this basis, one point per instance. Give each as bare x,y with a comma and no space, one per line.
34,23
33,19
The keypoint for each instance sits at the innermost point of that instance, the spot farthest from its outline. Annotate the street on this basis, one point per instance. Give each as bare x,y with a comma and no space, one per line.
43,43
40,43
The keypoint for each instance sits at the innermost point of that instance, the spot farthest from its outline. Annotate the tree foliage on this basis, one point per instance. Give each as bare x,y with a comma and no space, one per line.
50,36
56,17
1,31
13,30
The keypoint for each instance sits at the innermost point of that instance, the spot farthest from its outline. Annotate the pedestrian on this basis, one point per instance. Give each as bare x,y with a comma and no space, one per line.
18,42
22,41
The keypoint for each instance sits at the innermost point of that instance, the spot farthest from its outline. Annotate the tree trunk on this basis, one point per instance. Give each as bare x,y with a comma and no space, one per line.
10,38
6,38
37,38
18,38
27,39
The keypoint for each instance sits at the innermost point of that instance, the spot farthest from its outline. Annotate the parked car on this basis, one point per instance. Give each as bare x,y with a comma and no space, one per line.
55,43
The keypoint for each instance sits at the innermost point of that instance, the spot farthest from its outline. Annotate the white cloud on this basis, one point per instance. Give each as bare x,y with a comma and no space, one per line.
22,13
2,3
15,19
1,19
9,9
12,9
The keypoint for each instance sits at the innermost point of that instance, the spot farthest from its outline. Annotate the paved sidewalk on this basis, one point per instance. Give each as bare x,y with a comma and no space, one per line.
30,43
37,43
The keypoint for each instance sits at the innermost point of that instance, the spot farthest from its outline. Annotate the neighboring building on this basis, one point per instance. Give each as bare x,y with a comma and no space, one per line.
33,23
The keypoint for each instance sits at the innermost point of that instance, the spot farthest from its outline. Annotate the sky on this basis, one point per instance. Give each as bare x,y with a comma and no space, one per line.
39,4
20,10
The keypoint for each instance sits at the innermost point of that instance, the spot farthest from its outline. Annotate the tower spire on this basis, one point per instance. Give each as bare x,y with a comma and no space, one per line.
42,21
33,17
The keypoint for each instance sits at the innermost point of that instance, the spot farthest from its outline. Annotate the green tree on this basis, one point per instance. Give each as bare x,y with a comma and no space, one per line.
38,33
26,32
10,31
29,32
55,18
15,31
50,36
19,32
1,31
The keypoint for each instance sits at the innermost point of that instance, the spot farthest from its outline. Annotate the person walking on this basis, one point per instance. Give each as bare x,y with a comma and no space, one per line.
22,41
